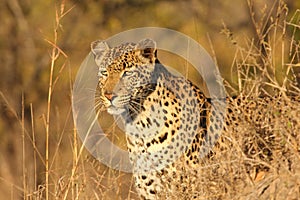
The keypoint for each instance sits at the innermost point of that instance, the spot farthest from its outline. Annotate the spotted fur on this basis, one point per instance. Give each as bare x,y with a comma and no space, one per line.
166,116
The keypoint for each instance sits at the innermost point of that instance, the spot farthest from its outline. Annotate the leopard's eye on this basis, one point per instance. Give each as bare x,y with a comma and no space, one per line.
127,73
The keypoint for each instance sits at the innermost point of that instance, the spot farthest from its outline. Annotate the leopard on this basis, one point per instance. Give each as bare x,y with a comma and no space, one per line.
169,122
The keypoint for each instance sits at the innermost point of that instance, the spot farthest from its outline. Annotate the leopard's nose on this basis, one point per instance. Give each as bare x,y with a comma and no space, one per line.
109,95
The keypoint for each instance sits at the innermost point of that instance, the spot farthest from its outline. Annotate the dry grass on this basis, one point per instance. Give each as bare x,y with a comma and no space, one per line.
258,156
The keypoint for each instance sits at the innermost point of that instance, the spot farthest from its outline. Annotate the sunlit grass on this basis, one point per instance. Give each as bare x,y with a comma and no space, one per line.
258,158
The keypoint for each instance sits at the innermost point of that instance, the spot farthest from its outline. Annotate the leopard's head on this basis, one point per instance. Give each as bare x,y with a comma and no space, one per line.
125,74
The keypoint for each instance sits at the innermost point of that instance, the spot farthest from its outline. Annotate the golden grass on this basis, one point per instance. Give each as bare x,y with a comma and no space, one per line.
258,157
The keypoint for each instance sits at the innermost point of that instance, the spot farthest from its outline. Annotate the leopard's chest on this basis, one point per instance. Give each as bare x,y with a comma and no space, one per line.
163,131
149,135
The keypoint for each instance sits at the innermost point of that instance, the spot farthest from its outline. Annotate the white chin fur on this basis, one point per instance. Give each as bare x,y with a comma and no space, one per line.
115,111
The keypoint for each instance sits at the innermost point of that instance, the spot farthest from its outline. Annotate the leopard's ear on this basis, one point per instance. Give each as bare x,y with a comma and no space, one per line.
99,47
146,49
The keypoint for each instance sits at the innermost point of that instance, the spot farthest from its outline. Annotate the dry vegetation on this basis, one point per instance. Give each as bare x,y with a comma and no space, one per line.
258,53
